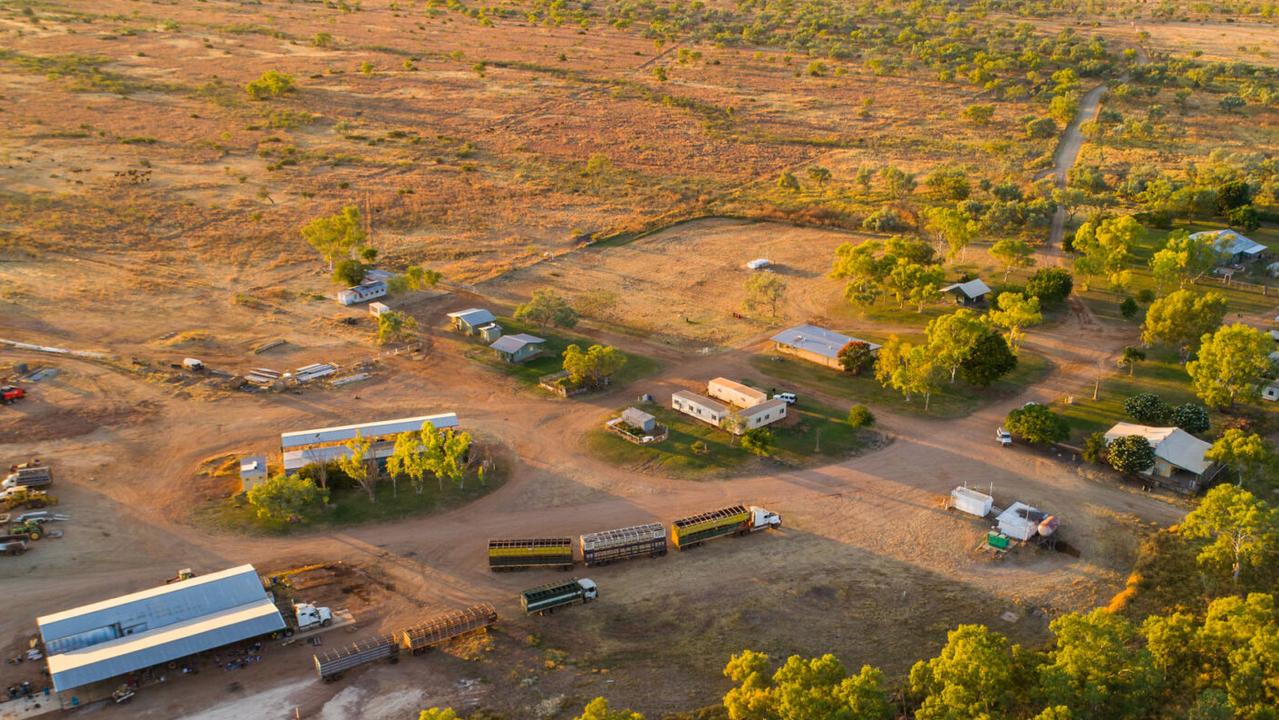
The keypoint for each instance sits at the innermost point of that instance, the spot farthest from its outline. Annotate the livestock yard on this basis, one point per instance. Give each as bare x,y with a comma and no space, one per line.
599,176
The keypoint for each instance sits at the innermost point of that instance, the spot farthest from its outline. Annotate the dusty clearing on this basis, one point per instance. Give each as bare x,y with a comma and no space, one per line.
687,282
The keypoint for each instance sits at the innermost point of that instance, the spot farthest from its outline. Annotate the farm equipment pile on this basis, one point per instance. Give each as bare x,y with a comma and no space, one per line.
414,640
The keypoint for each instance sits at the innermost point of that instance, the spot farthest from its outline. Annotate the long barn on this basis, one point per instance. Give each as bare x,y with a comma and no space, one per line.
106,640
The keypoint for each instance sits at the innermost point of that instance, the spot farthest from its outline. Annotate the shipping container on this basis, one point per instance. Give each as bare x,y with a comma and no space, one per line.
601,548
530,552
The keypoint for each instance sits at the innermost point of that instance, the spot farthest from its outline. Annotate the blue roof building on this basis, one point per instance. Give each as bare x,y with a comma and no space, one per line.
115,637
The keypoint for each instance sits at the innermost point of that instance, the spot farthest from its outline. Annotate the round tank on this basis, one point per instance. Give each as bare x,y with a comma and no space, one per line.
1048,525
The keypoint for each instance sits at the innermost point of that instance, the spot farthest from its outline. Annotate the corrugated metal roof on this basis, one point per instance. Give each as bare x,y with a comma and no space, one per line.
473,316
1231,242
342,433
820,341
142,650
158,606
515,343
973,288
252,466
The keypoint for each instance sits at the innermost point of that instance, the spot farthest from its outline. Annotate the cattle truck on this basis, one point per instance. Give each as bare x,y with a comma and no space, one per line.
736,520
545,598
530,553
601,548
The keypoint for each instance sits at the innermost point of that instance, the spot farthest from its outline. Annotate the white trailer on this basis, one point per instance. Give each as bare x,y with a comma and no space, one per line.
971,502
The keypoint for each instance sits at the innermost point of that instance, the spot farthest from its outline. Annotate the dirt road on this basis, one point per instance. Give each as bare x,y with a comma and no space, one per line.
1064,157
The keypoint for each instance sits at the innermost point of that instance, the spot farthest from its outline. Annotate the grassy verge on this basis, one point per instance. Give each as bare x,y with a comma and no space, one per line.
950,401
349,505
812,433
527,373
1160,373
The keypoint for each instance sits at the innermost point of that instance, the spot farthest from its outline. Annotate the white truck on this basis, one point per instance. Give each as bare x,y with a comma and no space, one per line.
1003,437
308,616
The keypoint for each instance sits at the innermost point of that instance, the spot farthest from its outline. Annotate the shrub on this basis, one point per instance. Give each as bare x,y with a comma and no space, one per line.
856,356
1147,409
348,272
884,219
1095,449
1131,454
1128,308
1040,128
860,416
1050,285
271,84
1036,423
1191,417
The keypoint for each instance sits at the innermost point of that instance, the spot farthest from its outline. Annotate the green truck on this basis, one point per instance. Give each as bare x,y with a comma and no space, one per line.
736,520
545,598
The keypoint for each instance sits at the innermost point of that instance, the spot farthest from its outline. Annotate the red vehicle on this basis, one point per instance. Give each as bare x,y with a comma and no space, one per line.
11,394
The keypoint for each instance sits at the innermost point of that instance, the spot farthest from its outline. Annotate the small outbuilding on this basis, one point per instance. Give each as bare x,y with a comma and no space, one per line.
972,502
490,332
376,309
639,420
518,348
253,472
758,264
469,321
364,292
1022,522
815,344
1231,246
1270,392
969,293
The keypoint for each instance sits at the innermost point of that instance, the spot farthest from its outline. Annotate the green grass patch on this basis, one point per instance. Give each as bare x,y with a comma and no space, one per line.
551,359
1104,302
350,505
812,433
949,401
1160,373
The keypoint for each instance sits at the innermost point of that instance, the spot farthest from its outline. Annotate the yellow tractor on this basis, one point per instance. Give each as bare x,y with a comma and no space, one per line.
21,497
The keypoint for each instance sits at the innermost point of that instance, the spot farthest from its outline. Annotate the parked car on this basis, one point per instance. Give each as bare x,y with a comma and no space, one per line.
1004,437
789,397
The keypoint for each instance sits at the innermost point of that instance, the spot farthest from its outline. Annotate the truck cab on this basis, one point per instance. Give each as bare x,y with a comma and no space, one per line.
309,616
590,590
37,476
1004,437
762,519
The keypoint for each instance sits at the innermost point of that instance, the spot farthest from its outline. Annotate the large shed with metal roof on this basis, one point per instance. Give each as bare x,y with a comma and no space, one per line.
816,344
129,633
371,430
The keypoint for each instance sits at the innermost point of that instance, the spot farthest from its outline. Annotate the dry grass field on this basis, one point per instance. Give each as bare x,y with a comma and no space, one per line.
150,209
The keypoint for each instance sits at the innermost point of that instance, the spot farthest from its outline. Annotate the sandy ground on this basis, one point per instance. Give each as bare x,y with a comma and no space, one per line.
867,551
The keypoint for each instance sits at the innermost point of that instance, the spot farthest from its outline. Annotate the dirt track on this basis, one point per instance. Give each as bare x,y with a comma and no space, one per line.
874,517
